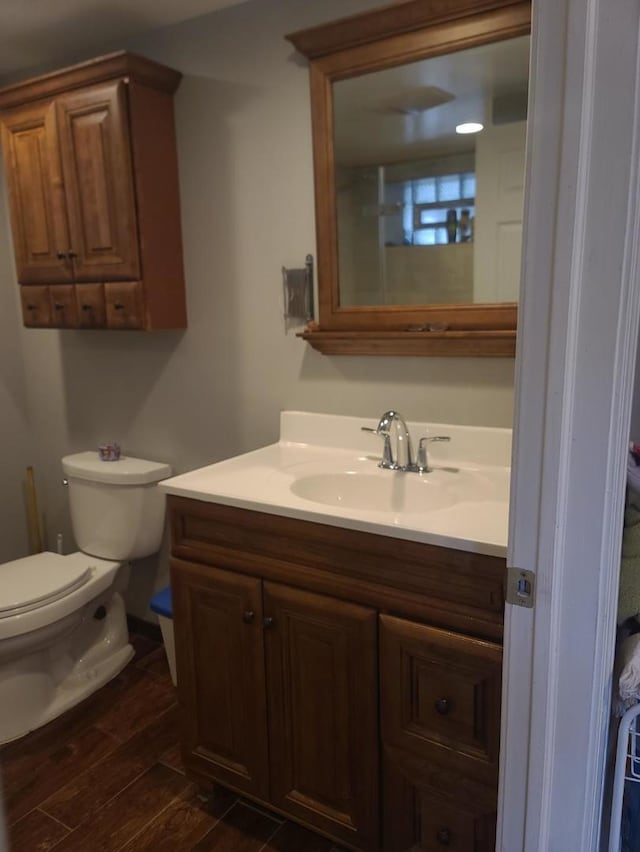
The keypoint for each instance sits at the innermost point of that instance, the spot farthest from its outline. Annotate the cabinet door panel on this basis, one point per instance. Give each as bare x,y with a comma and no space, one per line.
36,199
98,176
322,693
220,656
440,696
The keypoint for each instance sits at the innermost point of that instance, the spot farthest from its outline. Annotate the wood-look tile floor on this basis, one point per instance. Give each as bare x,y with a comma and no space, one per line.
107,776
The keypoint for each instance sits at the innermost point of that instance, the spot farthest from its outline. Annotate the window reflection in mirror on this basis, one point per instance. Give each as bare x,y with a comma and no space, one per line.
426,215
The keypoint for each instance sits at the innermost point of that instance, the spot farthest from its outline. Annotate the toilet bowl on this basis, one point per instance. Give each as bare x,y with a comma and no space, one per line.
63,628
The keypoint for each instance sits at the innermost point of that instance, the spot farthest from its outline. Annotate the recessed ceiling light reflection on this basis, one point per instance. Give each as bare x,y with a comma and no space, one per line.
470,127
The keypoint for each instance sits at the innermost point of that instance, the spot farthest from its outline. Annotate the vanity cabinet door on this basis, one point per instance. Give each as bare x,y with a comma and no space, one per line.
36,196
322,698
220,655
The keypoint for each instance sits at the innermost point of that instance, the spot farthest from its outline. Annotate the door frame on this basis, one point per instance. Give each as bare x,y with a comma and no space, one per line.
575,364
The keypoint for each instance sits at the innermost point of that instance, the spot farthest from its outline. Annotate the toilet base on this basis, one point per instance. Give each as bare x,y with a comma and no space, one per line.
38,686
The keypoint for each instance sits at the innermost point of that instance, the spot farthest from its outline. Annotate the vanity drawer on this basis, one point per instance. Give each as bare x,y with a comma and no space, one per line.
421,818
440,696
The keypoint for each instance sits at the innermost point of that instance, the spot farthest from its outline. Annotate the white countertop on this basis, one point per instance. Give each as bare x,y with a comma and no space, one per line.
469,482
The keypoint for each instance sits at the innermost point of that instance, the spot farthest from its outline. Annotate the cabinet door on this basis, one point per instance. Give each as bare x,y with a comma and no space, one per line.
440,697
98,177
220,657
322,698
36,198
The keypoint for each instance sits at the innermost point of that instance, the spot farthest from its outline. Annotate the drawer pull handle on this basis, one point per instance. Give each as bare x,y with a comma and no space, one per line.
71,254
118,306
443,706
248,615
58,306
267,622
87,307
61,255
32,307
444,837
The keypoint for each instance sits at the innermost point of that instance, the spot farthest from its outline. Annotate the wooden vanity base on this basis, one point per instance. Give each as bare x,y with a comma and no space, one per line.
347,680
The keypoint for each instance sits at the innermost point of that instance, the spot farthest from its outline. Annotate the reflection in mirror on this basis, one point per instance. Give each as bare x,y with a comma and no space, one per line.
426,215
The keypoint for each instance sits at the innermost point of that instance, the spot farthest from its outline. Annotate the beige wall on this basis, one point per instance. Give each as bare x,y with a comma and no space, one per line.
16,445
247,205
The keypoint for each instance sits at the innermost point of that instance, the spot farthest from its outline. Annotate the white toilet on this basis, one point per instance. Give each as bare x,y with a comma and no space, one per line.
63,628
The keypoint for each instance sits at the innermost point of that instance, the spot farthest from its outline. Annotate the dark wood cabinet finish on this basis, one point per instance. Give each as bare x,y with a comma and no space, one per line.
124,304
351,625
90,305
95,149
440,696
419,818
91,165
219,645
36,306
34,182
64,312
322,700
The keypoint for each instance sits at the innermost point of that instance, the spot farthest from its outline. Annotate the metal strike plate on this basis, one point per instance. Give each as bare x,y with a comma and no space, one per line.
521,587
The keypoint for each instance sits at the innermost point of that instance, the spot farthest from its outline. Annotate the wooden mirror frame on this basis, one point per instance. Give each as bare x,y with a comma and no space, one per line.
404,32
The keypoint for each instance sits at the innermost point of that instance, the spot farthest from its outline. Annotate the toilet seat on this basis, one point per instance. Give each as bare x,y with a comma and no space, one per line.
35,581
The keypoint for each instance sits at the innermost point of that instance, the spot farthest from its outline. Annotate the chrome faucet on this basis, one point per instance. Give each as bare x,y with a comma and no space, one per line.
392,426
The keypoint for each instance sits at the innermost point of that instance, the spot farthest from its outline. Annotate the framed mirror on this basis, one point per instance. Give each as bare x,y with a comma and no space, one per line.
419,224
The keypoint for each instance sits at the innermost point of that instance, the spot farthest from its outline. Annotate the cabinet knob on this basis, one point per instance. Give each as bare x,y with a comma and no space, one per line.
443,706
86,307
71,254
61,255
267,622
248,615
444,837
118,306
58,306
32,307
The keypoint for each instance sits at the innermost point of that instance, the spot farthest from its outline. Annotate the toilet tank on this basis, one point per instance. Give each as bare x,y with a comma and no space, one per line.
117,512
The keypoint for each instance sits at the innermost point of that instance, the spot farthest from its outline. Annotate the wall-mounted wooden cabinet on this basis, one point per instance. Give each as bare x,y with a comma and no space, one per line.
349,681
91,168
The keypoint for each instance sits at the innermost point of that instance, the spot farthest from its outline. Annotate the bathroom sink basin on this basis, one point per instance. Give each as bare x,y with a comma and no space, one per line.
378,492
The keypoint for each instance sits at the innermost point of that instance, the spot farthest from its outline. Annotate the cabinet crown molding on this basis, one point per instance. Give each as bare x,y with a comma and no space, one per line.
113,65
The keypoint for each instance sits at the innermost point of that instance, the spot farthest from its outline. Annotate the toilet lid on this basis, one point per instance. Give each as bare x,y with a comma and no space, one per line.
32,582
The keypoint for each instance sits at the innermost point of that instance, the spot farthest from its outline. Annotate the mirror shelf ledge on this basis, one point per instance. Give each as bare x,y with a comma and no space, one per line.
464,344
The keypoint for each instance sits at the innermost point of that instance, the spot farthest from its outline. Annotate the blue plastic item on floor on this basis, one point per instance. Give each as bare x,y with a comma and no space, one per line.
162,604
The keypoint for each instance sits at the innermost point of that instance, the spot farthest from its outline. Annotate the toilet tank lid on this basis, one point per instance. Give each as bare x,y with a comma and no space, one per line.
125,471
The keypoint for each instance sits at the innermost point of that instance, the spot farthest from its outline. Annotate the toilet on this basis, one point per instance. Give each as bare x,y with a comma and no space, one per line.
63,626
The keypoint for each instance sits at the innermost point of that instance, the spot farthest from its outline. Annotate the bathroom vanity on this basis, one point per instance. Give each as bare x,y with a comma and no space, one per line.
340,664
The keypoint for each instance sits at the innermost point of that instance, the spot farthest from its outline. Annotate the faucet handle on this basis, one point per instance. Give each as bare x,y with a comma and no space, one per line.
387,457
422,462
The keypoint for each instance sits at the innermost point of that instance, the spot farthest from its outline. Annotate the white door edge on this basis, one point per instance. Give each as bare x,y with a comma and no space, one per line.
577,345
